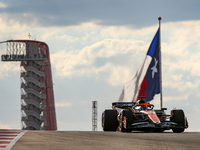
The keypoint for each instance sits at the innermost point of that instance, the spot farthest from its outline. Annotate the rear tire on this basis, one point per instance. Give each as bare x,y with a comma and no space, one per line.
129,120
109,120
179,118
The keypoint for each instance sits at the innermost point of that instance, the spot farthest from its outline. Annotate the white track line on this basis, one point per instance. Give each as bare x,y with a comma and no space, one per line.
10,145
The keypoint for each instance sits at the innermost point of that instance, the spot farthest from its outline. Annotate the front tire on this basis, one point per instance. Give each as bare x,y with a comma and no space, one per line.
109,120
178,130
179,118
129,120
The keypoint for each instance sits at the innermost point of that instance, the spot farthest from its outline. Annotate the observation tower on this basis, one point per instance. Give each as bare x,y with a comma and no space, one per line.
37,96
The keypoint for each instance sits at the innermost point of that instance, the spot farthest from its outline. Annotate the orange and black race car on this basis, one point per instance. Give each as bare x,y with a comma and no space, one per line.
141,116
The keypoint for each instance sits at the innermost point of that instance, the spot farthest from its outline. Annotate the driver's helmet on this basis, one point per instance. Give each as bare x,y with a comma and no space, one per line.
143,108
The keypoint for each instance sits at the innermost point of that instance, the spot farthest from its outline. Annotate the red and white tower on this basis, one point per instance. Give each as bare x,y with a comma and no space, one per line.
37,96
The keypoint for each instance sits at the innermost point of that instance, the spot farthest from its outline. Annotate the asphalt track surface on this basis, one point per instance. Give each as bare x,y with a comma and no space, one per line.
89,140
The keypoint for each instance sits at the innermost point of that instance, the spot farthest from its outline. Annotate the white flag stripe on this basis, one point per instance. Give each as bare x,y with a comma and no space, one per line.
131,88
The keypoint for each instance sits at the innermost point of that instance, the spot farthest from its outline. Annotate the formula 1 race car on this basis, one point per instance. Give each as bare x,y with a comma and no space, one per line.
141,116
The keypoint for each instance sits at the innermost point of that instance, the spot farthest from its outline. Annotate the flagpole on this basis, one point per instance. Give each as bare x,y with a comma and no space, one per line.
161,100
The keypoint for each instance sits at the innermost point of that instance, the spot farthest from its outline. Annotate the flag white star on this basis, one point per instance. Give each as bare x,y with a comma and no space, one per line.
154,69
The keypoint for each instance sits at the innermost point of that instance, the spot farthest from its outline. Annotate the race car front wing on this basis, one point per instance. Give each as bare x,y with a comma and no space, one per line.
162,125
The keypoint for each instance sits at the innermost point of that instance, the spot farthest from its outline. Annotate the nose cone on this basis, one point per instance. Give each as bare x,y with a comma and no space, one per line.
153,116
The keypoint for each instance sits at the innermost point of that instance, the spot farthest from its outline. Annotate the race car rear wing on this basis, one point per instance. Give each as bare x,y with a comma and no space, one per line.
123,104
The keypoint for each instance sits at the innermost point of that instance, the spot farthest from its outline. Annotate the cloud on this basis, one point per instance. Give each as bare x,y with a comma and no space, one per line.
5,126
2,5
67,13
63,104
100,59
105,57
177,98
8,68
180,55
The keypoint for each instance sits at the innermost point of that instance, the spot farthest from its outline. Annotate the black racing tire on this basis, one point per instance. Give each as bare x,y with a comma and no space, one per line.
186,123
129,117
179,118
178,130
109,120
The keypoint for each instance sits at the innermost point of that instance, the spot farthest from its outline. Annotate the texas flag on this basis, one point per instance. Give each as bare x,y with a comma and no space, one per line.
146,81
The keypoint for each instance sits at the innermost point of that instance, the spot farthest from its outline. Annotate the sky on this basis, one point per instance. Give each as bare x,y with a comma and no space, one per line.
96,47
